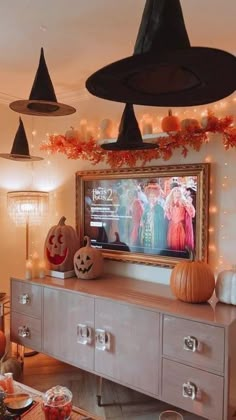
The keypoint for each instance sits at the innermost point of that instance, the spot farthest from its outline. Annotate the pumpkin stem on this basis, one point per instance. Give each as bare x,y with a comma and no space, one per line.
170,112
62,221
88,241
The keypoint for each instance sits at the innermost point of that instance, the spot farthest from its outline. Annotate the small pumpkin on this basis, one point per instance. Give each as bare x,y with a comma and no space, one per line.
192,281
60,246
226,286
208,121
170,123
11,364
72,134
3,343
190,124
88,261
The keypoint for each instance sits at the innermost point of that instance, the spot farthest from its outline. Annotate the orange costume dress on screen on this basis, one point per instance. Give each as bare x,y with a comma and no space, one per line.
179,211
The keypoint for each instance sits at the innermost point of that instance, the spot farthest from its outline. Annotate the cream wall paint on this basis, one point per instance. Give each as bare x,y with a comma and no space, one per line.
57,174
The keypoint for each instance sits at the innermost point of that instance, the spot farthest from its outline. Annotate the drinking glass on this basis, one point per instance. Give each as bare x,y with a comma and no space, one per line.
170,415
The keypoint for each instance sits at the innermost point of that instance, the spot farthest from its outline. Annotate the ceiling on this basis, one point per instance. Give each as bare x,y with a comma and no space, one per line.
81,36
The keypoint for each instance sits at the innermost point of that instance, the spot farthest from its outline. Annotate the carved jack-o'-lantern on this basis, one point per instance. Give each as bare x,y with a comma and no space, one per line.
60,246
88,262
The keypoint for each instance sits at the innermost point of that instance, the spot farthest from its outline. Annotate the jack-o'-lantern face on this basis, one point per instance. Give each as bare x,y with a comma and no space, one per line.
88,262
60,246
57,250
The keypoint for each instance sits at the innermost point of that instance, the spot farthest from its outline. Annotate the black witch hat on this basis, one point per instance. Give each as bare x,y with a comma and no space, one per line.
164,69
129,137
20,148
42,100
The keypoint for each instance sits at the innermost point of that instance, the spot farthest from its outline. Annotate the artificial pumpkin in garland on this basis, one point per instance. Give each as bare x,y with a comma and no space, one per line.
170,123
190,124
88,261
226,286
72,134
192,281
60,246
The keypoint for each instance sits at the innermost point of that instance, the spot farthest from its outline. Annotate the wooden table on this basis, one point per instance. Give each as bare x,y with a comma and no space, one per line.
36,413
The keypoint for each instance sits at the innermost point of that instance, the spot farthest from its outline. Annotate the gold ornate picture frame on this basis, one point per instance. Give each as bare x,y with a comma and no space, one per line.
155,215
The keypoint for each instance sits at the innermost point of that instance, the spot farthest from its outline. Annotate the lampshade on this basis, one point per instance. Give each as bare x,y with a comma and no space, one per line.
27,206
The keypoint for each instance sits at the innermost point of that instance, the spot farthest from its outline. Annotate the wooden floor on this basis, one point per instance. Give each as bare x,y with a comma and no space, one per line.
118,402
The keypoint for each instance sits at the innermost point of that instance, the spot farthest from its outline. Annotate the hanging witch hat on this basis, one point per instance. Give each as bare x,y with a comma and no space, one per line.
20,148
164,69
129,137
42,100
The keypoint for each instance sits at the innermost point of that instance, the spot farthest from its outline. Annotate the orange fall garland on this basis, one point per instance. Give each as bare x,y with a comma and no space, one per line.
188,139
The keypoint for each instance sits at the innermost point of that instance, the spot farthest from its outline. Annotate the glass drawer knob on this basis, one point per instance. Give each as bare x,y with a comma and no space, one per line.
84,334
102,339
189,390
23,331
190,343
24,299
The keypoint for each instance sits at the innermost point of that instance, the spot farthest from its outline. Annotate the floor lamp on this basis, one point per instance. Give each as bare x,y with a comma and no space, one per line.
27,208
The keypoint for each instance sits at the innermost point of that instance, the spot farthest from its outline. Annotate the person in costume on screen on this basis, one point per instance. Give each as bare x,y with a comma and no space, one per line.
153,223
179,211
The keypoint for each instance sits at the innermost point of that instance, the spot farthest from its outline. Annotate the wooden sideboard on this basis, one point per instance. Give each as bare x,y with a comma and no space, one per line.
134,333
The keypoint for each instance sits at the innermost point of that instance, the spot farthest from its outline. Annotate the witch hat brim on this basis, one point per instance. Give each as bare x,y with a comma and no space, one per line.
164,69
129,137
20,148
42,100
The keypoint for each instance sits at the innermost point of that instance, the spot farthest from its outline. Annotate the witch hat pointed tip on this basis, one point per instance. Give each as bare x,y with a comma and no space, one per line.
20,148
42,100
129,136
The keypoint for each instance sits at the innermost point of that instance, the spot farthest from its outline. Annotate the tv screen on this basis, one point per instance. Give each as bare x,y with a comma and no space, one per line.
147,215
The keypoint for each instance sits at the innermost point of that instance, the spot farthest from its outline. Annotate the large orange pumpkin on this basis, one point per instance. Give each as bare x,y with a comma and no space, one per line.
170,123
60,246
88,261
3,342
192,281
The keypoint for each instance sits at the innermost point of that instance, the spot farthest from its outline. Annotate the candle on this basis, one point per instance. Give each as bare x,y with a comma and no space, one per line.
42,269
83,129
35,265
28,270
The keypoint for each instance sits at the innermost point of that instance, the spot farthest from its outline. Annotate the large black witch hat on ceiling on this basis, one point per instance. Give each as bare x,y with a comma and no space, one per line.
129,136
20,148
42,100
164,69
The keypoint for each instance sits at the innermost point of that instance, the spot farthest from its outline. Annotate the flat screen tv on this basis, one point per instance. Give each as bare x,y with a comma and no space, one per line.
155,215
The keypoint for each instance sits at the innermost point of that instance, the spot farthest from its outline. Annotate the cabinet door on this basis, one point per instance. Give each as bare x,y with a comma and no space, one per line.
131,350
66,314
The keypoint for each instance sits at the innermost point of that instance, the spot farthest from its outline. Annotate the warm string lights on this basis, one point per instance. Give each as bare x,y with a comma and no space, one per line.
87,148
221,219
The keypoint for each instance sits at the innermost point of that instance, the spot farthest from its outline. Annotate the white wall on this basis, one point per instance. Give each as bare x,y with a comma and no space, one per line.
57,174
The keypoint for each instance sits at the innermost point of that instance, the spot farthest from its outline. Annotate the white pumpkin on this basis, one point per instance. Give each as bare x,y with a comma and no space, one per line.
207,121
226,286
72,134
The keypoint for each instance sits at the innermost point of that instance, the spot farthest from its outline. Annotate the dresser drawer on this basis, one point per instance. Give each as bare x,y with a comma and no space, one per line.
26,331
209,396
181,335
26,298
